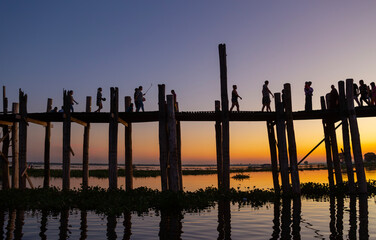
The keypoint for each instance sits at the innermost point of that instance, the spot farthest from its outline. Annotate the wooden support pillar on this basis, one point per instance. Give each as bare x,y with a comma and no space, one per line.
5,149
282,145
128,150
218,141
329,161
23,139
15,160
334,146
178,142
172,145
113,138
47,144
291,140
163,142
346,136
273,154
85,155
224,117
66,141
355,138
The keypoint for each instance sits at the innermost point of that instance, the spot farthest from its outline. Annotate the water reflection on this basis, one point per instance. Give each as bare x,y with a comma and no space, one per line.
286,223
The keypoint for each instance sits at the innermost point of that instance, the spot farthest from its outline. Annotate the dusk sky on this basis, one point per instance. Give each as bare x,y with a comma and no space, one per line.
48,46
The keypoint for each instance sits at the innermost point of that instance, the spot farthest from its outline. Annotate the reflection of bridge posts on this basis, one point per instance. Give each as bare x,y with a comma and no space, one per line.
276,222
64,216
43,225
296,217
111,227
224,219
20,216
352,230
83,226
336,217
170,225
127,225
339,222
11,223
363,216
286,218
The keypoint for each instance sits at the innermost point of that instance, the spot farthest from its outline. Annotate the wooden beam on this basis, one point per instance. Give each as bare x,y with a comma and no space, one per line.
120,120
79,121
42,123
5,123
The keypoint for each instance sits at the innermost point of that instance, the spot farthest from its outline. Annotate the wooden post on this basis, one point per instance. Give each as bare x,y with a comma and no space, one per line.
47,139
172,145
329,161
346,136
113,139
218,140
66,141
23,138
178,142
85,155
291,140
334,146
282,145
225,117
355,138
15,160
163,144
5,149
128,150
273,154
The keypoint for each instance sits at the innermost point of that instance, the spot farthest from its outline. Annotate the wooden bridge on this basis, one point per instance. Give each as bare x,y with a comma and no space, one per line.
282,152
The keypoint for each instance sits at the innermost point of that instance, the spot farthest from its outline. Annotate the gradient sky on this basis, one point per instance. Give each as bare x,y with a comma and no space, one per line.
48,46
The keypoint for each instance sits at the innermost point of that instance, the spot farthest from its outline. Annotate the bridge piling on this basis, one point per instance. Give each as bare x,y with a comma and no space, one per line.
163,143
128,149
178,142
172,145
47,144
5,149
22,139
15,159
66,141
113,138
218,141
273,154
85,154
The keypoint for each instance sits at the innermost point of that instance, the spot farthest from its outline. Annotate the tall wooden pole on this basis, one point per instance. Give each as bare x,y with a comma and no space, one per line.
113,139
329,161
225,117
273,154
282,145
15,159
5,149
355,138
172,145
47,144
23,138
66,141
128,150
178,143
346,136
291,140
163,142
85,155
218,140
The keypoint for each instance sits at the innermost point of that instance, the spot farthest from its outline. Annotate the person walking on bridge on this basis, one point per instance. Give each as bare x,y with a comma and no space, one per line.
234,98
265,97
308,90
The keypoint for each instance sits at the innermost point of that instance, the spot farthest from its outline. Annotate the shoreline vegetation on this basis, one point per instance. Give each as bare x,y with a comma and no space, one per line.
143,200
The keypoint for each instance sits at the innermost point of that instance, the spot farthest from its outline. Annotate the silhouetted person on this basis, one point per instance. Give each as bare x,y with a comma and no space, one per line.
54,110
356,93
333,100
130,108
71,100
62,109
265,97
139,99
373,93
363,93
99,100
234,98
308,90
174,94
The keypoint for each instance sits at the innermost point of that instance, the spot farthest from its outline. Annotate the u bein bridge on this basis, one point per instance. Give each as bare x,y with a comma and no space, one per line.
280,130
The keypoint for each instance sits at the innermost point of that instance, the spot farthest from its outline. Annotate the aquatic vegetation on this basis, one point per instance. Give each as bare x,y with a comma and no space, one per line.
240,176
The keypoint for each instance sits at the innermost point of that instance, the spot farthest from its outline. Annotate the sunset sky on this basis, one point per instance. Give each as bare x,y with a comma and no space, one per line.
48,46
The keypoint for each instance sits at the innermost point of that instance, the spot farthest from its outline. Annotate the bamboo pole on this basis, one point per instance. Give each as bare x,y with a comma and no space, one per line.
128,150
178,142
47,144
113,139
66,141
346,137
225,117
355,138
22,139
273,154
282,145
329,161
85,155
218,140
15,159
291,140
163,144
5,147
172,145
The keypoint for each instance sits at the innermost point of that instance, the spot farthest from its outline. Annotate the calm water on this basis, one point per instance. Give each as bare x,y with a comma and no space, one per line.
331,218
